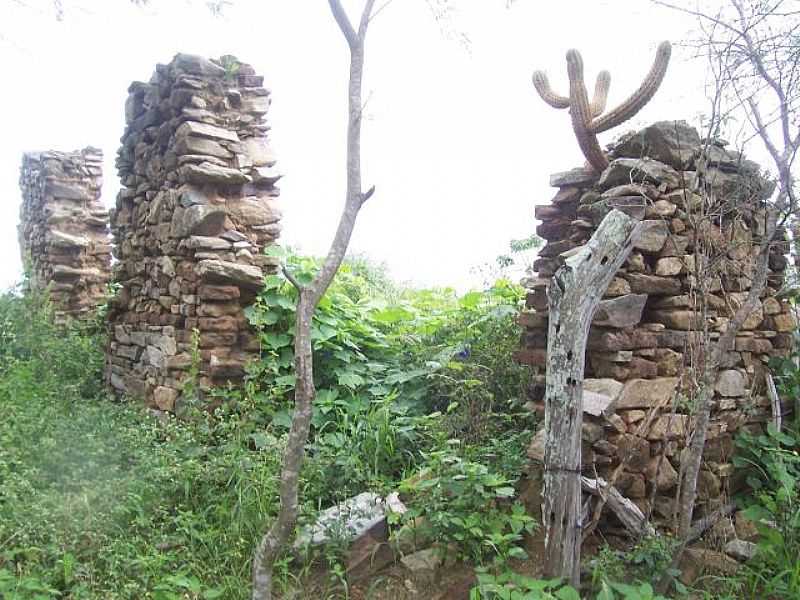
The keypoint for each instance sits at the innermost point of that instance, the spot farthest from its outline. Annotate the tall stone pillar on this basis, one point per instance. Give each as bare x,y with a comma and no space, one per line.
190,227
63,229
646,341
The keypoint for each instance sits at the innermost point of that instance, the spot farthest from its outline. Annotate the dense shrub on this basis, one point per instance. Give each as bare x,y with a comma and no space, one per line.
385,360
772,461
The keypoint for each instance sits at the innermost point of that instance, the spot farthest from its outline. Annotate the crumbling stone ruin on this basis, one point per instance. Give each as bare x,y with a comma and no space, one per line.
190,226
63,229
643,345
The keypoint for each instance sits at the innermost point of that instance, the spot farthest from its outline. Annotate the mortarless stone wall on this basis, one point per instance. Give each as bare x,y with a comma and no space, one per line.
645,337
190,226
63,229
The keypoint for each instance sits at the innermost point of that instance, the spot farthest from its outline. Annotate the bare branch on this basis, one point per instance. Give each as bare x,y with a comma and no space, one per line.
344,22
757,61
309,296
291,278
368,194
695,13
761,130
380,9
366,15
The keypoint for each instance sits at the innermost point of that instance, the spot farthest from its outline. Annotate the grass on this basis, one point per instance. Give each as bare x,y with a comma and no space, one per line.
100,500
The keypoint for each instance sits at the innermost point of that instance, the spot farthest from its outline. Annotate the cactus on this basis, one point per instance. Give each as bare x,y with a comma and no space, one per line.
587,121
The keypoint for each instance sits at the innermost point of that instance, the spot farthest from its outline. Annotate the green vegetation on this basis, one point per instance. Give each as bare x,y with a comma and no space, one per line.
417,394
103,500
772,461
99,500
510,586
615,575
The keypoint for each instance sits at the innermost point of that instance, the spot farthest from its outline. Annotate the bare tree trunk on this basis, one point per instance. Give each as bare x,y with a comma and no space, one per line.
309,296
573,294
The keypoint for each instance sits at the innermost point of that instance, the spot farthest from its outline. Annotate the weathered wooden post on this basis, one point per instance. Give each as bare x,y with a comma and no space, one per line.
573,296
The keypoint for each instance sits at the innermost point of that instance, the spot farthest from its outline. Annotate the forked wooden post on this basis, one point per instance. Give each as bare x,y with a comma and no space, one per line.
573,295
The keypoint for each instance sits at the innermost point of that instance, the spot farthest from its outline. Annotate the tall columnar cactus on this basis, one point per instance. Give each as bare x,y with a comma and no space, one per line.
586,117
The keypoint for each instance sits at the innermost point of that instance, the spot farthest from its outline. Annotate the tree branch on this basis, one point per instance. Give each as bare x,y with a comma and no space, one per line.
381,8
366,15
761,131
344,23
367,195
755,57
291,278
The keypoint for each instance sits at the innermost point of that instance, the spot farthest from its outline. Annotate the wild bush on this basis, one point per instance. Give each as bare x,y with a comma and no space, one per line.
468,506
383,363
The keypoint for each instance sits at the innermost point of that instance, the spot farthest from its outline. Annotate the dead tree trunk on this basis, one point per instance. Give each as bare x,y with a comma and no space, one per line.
573,296
308,298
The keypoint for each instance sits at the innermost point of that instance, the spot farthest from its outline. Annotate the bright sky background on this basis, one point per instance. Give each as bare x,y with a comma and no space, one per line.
456,141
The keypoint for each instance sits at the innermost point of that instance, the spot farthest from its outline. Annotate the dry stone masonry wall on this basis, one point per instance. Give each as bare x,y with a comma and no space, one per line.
63,229
644,341
190,226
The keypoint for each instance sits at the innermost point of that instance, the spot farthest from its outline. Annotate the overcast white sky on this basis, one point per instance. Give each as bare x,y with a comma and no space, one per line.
456,141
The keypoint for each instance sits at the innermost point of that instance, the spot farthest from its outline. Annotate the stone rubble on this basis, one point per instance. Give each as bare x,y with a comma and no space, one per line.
191,223
360,525
63,230
645,334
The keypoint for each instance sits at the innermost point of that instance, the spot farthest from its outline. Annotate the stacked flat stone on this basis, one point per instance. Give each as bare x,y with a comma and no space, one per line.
63,229
191,224
644,336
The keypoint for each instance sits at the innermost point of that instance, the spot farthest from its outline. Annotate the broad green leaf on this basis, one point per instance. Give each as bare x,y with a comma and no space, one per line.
567,593
605,592
276,340
273,281
276,250
393,314
286,380
325,396
471,300
282,418
350,379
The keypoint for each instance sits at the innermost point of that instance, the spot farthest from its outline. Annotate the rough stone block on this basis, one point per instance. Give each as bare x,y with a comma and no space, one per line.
645,393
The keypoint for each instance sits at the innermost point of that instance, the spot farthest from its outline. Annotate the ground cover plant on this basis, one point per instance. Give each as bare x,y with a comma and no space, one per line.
99,500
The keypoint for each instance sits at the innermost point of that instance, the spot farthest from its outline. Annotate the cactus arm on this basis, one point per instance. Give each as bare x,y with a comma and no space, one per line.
542,86
640,97
600,93
581,113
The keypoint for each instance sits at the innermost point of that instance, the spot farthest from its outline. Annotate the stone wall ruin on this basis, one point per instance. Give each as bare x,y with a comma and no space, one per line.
63,230
644,339
190,226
